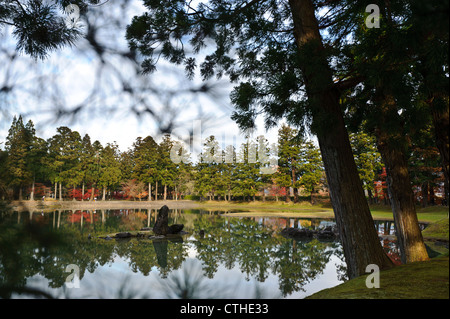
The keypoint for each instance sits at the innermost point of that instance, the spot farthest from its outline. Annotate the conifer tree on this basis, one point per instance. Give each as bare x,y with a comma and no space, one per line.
247,176
41,27
166,167
289,145
367,159
18,144
38,151
207,168
385,100
146,170
110,173
310,168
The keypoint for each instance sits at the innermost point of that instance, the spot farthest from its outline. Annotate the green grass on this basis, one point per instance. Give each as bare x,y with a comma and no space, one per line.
437,230
420,280
305,209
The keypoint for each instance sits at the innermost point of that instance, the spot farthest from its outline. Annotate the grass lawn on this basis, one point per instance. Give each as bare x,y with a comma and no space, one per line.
421,280
305,209
437,230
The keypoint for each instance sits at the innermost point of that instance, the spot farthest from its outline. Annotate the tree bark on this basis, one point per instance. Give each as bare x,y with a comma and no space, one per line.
409,235
82,192
104,193
353,218
60,191
149,192
32,191
294,189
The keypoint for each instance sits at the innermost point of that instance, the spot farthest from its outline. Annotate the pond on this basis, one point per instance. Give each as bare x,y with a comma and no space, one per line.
63,254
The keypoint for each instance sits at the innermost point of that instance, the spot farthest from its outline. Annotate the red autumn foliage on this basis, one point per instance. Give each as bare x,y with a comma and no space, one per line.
77,193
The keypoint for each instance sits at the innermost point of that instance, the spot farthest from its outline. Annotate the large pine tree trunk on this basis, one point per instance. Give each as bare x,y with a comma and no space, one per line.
353,218
409,235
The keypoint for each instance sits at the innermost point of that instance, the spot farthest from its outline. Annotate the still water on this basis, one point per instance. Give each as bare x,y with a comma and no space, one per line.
60,254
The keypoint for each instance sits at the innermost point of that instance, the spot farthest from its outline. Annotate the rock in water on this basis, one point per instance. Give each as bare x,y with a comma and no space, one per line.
329,233
175,228
162,221
123,235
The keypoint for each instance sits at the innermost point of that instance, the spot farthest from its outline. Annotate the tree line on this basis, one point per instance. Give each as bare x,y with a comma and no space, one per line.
73,167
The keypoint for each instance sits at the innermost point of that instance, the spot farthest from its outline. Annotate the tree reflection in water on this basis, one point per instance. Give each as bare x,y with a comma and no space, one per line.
41,245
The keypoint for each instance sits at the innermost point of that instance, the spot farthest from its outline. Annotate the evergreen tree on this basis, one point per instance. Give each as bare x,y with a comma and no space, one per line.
166,167
40,26
3,176
425,165
146,169
246,176
65,150
289,144
18,146
183,168
266,158
228,168
310,168
367,159
38,151
93,170
384,101
85,159
110,173
207,168
127,164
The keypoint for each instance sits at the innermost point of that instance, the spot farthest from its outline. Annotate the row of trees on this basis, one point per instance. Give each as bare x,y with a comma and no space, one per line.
150,170
83,168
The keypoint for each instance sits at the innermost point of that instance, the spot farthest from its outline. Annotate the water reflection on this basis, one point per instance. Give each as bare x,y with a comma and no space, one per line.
217,255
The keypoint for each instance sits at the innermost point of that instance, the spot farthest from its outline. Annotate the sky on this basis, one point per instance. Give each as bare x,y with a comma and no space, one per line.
108,117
